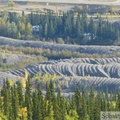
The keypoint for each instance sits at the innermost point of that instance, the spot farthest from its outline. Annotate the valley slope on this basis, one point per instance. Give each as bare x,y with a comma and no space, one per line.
101,73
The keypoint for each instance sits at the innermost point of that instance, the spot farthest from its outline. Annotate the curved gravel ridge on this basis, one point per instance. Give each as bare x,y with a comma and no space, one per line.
101,73
98,67
98,83
91,49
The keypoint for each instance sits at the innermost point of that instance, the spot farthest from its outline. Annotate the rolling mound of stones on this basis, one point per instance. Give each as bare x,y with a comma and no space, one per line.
99,67
4,76
91,49
100,73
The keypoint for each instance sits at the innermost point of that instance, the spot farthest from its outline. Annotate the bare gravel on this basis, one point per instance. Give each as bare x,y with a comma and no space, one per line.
91,49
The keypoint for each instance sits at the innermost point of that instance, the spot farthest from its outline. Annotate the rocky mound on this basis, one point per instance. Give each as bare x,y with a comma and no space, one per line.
13,58
101,73
98,72
61,47
98,83
100,67
4,76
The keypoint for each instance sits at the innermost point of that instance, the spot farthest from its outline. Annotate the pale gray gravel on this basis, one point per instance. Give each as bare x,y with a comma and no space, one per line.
97,72
5,76
91,49
75,2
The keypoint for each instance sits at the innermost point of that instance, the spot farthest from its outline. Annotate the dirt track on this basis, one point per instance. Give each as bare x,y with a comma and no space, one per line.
75,2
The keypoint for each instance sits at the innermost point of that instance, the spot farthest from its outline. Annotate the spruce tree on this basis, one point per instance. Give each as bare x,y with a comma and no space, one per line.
118,102
15,102
91,104
28,102
20,93
6,96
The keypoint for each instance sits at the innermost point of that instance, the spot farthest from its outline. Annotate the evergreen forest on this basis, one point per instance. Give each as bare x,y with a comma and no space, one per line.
69,27
18,103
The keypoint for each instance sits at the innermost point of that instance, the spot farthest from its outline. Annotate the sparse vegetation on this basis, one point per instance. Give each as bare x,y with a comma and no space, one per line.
47,70
11,4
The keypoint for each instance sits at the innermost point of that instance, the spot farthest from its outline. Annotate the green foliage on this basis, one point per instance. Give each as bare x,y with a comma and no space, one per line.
68,28
2,116
33,106
11,4
60,40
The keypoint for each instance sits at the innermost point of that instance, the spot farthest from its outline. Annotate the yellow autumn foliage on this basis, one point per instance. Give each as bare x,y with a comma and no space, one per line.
113,104
2,116
47,104
23,82
3,55
11,82
23,110
26,74
53,77
76,14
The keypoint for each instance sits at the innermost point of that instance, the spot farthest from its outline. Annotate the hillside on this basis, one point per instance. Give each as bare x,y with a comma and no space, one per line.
13,58
61,47
4,76
59,60
103,72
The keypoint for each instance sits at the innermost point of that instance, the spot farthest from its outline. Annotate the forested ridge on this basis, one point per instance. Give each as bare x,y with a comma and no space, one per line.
69,27
18,103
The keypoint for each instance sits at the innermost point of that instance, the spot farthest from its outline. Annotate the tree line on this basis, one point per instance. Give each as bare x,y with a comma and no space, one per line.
70,27
18,103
